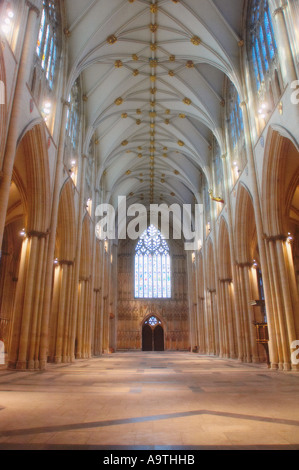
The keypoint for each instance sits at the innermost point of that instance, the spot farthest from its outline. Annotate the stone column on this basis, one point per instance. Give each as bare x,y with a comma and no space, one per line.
26,318
249,313
279,302
237,304
283,45
52,239
16,115
260,237
76,277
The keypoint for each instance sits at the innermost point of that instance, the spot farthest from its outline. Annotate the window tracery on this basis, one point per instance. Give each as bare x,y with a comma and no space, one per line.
152,266
262,50
44,76
236,132
73,115
48,41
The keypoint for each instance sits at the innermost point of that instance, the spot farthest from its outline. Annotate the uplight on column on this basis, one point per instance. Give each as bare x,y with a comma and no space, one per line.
46,110
7,21
73,171
263,110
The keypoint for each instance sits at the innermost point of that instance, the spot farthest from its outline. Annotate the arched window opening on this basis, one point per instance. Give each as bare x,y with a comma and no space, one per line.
47,57
236,132
152,266
152,321
73,115
218,173
262,51
48,40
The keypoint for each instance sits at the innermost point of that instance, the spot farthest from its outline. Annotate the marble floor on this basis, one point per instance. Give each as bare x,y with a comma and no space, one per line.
150,401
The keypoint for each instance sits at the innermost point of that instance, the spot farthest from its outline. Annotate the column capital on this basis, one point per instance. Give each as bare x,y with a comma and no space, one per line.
246,264
36,234
32,6
211,291
275,238
280,9
226,281
65,102
64,262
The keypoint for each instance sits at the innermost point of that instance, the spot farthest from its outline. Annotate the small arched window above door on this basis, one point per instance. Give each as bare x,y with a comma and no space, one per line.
152,266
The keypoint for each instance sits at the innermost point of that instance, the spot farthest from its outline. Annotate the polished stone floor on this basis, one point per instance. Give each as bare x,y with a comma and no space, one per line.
150,401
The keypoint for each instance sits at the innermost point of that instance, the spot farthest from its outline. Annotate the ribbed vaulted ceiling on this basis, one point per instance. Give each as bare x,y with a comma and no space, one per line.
153,78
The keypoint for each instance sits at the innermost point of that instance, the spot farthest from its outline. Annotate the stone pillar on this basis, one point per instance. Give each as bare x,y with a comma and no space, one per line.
16,115
25,339
51,245
76,279
282,298
273,353
286,60
61,312
237,296
249,313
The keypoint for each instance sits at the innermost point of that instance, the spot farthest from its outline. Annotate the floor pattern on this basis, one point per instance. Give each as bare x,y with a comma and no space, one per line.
150,401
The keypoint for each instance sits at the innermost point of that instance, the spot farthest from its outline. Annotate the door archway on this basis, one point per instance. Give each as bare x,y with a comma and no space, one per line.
152,335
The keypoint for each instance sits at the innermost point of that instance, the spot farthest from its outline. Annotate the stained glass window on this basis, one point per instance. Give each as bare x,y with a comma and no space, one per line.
152,266
73,116
262,45
48,41
235,116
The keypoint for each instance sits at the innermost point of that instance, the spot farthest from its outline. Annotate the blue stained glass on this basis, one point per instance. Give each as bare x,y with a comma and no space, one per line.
168,278
164,282
259,60
46,48
150,276
264,50
269,35
262,40
145,276
140,276
155,280
159,277
136,276
256,70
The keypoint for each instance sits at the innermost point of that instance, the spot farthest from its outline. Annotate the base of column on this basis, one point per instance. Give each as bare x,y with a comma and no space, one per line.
11,365
21,365
31,365
42,364
66,359
57,360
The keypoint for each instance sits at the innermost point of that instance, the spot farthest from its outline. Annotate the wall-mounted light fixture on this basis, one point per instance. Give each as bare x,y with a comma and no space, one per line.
263,110
7,21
